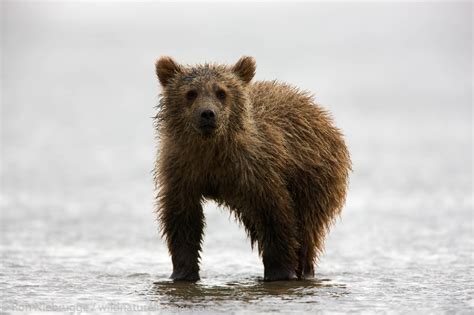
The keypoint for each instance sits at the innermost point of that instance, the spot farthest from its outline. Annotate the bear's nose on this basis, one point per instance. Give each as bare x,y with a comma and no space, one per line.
207,115
207,119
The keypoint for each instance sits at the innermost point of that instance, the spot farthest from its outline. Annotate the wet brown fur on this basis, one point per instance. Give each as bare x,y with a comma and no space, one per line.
275,160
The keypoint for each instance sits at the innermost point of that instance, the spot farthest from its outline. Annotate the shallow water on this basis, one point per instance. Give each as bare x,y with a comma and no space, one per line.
78,228
92,245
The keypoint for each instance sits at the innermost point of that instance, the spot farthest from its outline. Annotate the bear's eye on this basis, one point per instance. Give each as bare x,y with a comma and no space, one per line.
220,94
191,95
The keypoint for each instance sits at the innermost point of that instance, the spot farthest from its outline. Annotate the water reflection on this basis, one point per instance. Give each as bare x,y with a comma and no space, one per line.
215,292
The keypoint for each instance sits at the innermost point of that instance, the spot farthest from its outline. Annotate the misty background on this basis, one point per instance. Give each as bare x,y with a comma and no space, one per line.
78,90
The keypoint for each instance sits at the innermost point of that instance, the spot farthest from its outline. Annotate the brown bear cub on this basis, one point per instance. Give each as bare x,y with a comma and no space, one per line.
265,150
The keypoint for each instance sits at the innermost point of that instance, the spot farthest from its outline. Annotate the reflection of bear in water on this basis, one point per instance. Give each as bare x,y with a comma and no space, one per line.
265,150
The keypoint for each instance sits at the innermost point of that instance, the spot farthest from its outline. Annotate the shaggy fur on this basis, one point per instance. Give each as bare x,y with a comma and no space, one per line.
274,159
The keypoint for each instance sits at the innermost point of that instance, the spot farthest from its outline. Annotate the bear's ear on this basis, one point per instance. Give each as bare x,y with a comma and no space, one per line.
245,68
166,69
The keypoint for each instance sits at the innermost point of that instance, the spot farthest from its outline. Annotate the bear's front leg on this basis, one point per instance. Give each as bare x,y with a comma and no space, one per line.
276,227
182,222
278,247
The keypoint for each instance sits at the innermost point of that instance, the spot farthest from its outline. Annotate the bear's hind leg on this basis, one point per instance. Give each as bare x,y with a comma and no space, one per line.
311,221
307,261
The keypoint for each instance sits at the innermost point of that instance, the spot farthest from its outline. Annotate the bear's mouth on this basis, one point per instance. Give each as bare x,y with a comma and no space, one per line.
207,128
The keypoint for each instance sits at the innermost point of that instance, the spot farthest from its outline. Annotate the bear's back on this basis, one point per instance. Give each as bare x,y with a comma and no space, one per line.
286,116
283,105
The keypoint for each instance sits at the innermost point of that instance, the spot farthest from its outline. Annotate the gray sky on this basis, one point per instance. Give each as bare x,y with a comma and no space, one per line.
78,77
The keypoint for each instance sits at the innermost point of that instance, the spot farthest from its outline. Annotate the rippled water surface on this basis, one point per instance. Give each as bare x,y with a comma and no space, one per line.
78,232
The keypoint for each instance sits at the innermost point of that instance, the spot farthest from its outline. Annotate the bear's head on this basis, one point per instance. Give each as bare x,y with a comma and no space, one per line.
207,100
